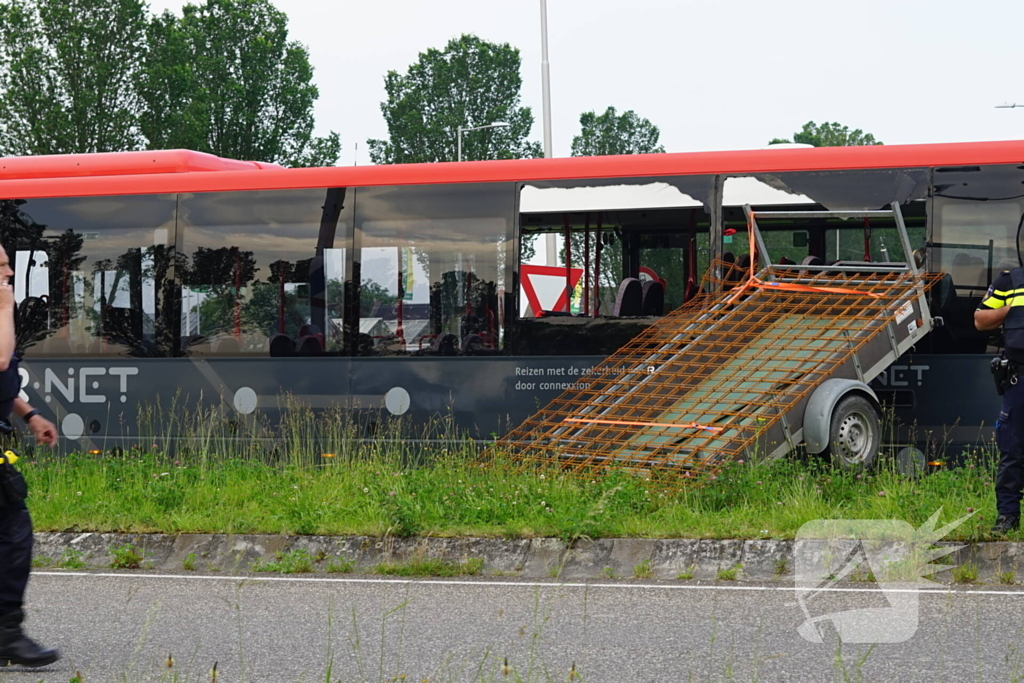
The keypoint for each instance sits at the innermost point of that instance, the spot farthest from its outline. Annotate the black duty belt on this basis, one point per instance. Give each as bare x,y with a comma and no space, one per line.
1004,373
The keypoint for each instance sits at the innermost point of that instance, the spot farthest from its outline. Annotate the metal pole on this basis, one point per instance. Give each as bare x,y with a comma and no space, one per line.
460,144
545,76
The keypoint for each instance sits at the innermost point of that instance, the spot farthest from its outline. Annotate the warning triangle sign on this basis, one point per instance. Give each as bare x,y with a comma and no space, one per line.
546,287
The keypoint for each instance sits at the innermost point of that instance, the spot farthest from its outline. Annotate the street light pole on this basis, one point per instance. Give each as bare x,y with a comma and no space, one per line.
496,124
545,77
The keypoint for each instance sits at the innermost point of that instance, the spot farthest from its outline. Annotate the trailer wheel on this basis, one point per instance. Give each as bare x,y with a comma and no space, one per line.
854,433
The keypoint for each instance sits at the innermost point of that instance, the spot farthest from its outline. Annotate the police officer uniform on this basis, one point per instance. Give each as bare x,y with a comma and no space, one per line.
1008,290
15,542
15,524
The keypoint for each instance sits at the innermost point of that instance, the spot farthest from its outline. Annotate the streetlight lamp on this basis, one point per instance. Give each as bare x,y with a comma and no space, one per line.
1007,105
496,124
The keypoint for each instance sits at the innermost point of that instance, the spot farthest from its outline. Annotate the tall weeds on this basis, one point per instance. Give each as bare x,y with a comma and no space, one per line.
325,472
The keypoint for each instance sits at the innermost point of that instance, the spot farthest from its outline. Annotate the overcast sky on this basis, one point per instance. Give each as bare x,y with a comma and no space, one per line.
711,74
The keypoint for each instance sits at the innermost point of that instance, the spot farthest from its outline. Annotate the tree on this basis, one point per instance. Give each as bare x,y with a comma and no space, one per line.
471,83
612,133
373,294
829,135
223,78
67,70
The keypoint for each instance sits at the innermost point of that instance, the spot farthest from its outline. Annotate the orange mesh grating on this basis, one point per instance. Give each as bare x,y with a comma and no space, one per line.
713,381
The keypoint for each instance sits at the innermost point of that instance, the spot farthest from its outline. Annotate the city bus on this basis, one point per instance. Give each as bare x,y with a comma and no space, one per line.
472,292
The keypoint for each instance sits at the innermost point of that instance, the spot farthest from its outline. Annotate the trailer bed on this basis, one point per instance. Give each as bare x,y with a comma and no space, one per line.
728,375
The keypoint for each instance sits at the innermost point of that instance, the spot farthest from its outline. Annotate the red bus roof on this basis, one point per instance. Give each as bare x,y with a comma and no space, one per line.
119,163
183,171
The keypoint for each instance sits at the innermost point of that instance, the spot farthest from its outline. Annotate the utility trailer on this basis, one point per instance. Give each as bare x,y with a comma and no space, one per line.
772,359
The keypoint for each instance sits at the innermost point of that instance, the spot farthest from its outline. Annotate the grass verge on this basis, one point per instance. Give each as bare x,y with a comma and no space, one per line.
428,567
446,492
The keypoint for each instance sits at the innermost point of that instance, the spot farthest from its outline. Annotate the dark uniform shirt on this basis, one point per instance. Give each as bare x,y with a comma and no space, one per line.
1001,293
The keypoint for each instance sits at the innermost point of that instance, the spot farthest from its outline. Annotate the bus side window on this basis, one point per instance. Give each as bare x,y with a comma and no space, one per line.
432,268
263,273
972,242
91,274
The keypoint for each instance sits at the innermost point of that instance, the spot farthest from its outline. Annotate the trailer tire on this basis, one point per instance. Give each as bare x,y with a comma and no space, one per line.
854,433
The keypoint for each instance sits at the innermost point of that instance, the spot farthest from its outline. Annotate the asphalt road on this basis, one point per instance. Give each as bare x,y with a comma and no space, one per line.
121,627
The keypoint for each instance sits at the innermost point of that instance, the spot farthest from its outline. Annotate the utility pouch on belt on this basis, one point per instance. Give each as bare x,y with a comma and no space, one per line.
1004,373
13,488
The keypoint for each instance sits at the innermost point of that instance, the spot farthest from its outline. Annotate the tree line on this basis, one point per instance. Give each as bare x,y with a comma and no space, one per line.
81,76
223,77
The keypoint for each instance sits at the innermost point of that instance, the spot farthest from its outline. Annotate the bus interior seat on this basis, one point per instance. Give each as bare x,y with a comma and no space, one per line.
364,344
281,345
629,300
652,298
811,261
958,333
944,292
692,288
472,345
786,261
226,345
730,273
445,344
198,343
308,346
969,271
310,330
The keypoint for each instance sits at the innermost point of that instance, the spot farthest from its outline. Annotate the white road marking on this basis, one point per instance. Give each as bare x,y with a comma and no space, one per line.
518,584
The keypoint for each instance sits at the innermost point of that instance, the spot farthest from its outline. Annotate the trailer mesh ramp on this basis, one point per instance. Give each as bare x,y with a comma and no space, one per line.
715,380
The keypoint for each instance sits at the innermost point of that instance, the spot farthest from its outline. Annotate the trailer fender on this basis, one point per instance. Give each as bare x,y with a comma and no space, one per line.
818,413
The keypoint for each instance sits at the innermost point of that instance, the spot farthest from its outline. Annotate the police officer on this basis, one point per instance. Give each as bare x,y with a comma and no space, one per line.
1003,304
15,524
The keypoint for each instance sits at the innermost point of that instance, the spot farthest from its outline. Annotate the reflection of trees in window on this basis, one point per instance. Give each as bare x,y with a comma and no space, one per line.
128,301
462,303
335,298
372,295
126,293
226,266
221,274
235,301
65,259
280,305
37,317
17,229
482,309
271,311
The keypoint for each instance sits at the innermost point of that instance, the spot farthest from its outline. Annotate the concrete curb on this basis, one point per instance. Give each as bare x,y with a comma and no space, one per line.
536,558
